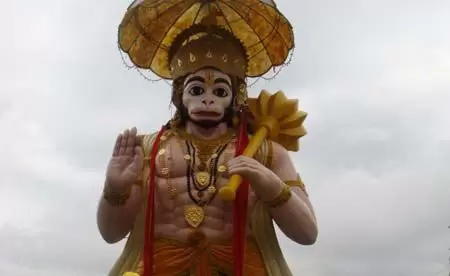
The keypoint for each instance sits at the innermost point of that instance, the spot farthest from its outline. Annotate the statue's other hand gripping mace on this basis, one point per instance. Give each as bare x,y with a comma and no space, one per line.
276,118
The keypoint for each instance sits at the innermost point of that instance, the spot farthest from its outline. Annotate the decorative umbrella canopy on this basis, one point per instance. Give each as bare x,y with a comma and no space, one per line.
149,28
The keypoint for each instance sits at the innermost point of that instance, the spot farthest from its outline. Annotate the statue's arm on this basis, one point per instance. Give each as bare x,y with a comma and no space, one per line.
115,222
116,217
296,217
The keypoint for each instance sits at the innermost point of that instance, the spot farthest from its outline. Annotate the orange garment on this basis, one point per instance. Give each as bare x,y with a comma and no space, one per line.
174,258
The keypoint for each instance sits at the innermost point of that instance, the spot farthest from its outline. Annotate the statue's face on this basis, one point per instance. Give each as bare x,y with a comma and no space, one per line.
207,94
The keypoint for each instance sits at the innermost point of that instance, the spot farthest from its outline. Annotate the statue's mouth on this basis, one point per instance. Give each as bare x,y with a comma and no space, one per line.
206,114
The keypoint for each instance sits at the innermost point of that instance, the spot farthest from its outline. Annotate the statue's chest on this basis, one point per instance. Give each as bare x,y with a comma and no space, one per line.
189,166
188,175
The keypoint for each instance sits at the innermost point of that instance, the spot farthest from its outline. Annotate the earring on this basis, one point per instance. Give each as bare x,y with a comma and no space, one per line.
242,94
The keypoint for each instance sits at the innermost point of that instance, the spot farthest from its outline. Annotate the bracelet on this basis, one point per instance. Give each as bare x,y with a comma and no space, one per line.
114,197
282,197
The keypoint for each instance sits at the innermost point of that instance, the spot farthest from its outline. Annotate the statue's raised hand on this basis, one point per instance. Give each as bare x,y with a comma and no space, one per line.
126,162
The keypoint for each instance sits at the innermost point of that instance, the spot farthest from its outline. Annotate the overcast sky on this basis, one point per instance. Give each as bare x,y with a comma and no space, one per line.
374,76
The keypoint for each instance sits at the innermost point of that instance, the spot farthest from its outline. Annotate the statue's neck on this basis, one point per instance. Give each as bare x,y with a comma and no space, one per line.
206,133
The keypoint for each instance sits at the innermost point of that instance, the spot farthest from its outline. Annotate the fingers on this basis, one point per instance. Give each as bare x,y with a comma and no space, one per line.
139,153
117,145
245,172
127,142
138,159
243,166
123,142
131,142
244,161
139,139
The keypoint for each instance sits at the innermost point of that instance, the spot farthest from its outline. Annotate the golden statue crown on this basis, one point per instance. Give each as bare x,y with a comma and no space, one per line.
207,46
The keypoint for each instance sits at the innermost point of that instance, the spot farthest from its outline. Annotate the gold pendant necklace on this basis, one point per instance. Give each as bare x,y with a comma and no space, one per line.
202,178
206,150
194,215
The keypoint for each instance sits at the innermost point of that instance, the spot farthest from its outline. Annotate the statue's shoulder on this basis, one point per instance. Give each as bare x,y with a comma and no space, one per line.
264,154
147,142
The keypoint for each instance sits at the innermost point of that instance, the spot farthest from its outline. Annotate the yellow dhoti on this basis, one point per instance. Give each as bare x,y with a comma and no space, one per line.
172,258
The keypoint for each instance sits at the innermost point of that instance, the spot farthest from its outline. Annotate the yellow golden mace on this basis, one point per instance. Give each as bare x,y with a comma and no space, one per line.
277,118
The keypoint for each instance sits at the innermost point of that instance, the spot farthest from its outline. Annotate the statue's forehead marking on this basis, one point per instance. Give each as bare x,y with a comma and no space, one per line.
209,77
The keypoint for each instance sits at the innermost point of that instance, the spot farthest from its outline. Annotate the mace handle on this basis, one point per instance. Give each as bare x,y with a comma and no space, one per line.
228,192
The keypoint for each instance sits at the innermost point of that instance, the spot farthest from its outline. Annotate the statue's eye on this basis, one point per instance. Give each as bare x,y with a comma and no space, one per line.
196,91
220,92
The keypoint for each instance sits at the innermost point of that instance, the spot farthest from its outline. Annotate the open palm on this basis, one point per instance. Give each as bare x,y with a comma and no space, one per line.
126,162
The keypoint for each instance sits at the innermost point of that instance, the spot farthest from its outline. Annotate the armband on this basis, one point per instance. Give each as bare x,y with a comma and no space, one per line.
282,197
297,183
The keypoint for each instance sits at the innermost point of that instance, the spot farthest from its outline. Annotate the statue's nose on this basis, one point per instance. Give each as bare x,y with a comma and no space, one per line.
207,101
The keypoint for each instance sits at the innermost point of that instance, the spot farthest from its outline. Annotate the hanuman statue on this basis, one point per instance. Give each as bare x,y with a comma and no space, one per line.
160,191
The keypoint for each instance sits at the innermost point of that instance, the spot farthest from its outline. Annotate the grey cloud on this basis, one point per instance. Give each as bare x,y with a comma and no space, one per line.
46,252
373,77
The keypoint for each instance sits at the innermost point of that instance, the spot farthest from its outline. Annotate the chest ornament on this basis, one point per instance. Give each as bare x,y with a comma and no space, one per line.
202,158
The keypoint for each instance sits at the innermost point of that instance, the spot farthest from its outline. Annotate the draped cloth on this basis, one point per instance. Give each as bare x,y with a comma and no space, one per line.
262,229
172,258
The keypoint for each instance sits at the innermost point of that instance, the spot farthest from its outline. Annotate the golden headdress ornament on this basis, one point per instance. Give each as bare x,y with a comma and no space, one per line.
150,30
207,46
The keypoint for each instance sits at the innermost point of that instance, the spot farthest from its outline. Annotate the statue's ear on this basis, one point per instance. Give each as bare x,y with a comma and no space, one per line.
176,100
177,91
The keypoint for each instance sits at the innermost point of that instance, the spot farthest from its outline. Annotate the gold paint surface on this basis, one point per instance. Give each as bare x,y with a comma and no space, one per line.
194,215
